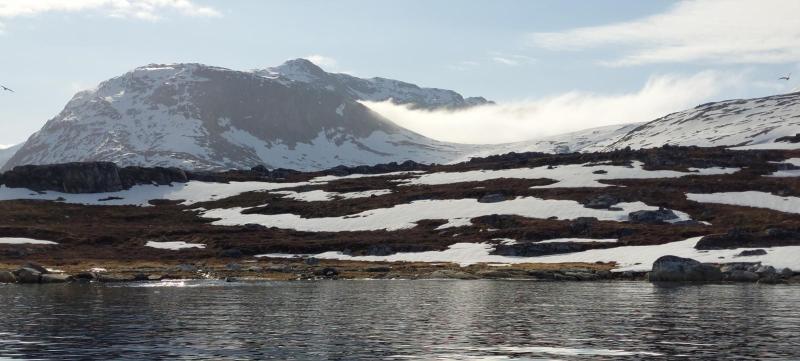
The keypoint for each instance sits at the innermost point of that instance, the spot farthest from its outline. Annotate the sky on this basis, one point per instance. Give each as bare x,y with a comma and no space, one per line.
552,66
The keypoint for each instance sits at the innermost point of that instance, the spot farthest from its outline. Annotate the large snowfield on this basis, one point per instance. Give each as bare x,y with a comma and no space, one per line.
627,258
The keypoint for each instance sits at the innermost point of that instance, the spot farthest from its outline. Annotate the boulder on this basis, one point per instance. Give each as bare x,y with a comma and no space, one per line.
233,267
7,277
786,273
111,278
652,217
35,266
311,261
741,276
28,275
492,198
601,201
327,272
55,278
678,269
766,271
751,252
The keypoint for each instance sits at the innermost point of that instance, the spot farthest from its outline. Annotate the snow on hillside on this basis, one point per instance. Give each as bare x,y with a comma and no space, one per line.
584,141
373,89
7,153
751,123
201,117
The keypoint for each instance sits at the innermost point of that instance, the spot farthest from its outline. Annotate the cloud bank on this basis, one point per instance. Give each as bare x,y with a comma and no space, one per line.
524,120
138,9
719,31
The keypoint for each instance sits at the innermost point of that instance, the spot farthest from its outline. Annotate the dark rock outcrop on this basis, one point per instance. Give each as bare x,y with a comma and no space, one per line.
7,277
601,201
652,217
88,177
677,269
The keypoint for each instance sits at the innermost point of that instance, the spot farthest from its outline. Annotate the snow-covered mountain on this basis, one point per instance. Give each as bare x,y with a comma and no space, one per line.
7,153
584,141
201,117
373,89
750,123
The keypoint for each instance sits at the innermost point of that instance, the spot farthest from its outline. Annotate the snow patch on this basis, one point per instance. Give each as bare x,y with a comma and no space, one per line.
566,176
628,258
750,199
457,212
11,240
174,246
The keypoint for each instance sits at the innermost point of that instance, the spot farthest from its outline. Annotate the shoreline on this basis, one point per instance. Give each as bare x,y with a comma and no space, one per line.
114,271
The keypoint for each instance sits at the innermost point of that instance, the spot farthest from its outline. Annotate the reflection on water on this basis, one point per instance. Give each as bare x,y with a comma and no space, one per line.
398,320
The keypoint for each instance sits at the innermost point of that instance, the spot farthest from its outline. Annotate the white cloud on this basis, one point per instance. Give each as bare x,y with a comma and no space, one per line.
464,65
139,9
720,31
511,59
322,61
523,120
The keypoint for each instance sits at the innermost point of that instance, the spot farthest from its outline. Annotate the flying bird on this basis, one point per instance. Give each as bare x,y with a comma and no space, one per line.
785,77
6,89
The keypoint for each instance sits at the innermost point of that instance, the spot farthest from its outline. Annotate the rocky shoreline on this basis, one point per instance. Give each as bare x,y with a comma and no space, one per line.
666,269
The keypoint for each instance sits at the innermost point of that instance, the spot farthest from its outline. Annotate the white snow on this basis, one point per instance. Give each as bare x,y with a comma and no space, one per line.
750,199
741,123
11,240
174,245
788,173
628,258
320,195
457,212
567,176
190,192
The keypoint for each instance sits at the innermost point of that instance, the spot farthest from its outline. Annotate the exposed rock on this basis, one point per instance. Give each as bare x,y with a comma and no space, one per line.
789,139
601,201
312,261
786,273
113,278
766,270
327,272
492,198
538,249
600,171
652,217
55,278
35,266
582,225
751,252
7,277
741,276
677,269
28,275
87,177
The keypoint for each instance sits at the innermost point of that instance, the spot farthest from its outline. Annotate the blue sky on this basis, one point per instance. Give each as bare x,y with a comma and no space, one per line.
557,55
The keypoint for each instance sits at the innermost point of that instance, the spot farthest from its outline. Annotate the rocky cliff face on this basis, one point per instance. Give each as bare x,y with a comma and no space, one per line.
194,116
91,177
